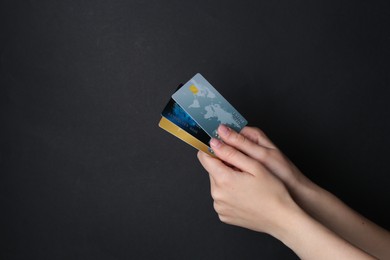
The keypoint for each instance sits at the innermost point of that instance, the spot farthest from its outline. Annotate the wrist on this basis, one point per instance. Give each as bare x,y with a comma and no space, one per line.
311,240
303,189
287,214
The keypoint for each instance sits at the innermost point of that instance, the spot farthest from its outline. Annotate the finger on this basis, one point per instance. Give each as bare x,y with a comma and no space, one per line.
269,157
257,136
234,157
242,143
215,167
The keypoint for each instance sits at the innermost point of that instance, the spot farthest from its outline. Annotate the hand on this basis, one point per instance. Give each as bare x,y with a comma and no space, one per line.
254,143
245,193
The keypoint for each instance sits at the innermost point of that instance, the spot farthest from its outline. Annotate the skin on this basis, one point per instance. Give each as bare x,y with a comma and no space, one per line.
256,187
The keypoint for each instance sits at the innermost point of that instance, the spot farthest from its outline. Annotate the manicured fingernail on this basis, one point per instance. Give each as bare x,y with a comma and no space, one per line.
215,143
223,129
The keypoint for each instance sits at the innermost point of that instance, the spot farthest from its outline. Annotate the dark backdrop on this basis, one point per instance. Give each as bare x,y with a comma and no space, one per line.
85,173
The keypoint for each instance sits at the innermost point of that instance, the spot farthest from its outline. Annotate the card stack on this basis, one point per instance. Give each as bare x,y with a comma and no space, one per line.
195,111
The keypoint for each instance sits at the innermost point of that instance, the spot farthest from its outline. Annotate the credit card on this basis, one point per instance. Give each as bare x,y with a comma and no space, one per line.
183,135
174,113
207,107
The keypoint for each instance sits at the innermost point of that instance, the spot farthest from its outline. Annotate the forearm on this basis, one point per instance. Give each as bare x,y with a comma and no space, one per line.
338,217
310,240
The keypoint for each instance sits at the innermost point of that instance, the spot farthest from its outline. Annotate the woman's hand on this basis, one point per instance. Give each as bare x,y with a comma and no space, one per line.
254,143
245,193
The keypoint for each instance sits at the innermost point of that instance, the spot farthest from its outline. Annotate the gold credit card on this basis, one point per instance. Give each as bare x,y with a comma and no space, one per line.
183,135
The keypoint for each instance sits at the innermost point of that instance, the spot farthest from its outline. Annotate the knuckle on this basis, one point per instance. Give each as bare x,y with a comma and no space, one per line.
259,133
215,194
215,206
264,154
230,153
218,207
218,194
223,218
257,167
238,138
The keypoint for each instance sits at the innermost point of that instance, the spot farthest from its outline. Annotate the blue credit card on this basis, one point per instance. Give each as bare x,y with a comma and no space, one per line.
174,113
203,103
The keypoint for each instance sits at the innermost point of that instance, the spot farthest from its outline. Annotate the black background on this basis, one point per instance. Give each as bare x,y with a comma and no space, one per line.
85,173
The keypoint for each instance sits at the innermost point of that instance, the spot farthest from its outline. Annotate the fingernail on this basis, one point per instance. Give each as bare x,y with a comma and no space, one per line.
224,129
215,143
